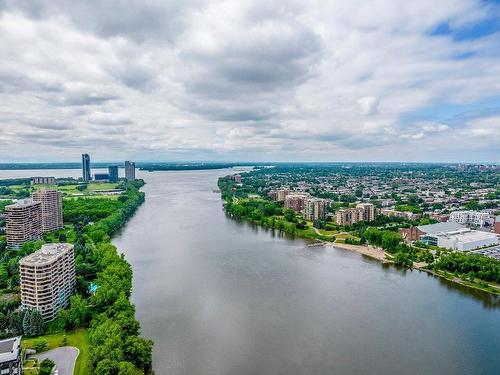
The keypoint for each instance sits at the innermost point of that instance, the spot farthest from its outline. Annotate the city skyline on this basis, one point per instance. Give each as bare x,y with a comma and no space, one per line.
279,81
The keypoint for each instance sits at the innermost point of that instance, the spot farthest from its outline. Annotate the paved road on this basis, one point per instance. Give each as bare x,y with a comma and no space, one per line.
64,358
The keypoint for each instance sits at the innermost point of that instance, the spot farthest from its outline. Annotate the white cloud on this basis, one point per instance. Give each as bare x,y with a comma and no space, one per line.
326,80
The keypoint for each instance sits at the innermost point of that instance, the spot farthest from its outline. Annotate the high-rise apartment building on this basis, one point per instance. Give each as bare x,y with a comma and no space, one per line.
130,170
349,216
47,279
86,167
51,208
23,221
113,173
368,213
315,209
296,202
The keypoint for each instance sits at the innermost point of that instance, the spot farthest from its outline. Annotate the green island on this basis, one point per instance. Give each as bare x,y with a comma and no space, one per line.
100,320
378,239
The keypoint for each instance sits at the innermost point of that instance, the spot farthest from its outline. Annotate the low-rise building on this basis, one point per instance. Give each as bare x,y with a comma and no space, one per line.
462,240
23,221
10,356
47,279
415,233
403,214
43,181
496,226
102,177
476,218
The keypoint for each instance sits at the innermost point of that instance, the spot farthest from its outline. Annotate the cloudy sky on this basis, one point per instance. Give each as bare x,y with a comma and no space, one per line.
250,80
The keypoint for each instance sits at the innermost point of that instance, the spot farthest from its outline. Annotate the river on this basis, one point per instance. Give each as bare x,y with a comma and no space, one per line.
220,297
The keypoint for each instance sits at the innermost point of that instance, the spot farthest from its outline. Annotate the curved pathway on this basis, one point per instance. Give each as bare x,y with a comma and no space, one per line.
64,358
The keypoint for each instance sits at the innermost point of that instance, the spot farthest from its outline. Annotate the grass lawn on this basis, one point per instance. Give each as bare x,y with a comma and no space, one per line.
78,339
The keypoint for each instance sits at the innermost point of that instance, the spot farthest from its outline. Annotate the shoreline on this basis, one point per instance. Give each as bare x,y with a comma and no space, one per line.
370,251
380,255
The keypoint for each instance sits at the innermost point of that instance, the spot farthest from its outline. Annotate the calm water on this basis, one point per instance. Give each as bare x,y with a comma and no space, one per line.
220,297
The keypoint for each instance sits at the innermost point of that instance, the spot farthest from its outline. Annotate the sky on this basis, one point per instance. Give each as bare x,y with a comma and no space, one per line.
246,80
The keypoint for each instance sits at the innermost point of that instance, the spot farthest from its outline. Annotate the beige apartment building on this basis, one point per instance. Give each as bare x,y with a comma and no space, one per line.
315,209
23,221
296,202
51,208
349,216
47,279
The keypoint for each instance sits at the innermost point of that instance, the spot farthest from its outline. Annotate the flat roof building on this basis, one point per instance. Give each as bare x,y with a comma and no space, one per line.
51,208
315,209
23,221
476,218
464,239
113,173
349,216
130,170
43,180
10,356
47,279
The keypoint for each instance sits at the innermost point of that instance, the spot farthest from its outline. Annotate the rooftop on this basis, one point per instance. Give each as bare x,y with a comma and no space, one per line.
9,349
22,203
447,226
46,254
467,235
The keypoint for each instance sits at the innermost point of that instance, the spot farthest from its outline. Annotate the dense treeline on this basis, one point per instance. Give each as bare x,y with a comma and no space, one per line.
471,265
116,347
392,242
92,208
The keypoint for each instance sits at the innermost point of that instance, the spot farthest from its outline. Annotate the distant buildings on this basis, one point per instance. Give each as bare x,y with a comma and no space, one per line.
130,170
403,214
86,167
237,178
476,218
43,181
278,195
113,173
47,279
51,208
296,201
349,216
23,221
315,209
102,177
10,356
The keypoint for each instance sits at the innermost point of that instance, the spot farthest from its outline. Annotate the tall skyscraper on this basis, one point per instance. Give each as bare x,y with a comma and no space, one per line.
23,221
130,170
113,173
86,167
52,210
47,279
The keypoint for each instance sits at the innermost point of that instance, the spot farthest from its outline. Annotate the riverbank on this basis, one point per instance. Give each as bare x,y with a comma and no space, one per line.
380,255
369,251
